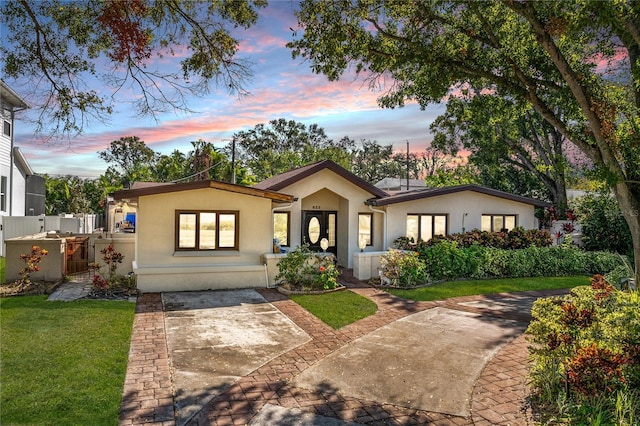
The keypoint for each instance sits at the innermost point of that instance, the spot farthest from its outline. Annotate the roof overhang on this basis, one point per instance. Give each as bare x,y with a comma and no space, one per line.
143,191
434,192
10,99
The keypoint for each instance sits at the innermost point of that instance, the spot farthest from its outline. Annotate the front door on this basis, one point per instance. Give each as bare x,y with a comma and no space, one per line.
317,225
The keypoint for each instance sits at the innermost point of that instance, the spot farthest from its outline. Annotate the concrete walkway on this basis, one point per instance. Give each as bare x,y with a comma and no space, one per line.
289,388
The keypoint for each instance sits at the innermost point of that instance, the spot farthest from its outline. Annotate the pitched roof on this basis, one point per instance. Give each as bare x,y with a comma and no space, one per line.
433,192
285,179
186,186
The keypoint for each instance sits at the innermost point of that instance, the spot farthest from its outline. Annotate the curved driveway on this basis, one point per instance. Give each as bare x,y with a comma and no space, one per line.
249,357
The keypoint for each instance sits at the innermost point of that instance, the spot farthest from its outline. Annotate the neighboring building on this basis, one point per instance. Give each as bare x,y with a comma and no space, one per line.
22,193
392,185
212,235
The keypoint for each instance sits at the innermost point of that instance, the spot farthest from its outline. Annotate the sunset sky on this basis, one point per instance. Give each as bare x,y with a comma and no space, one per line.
281,88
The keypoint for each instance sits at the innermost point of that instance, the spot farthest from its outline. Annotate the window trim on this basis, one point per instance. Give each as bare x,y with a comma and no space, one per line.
371,228
503,215
236,242
433,216
273,218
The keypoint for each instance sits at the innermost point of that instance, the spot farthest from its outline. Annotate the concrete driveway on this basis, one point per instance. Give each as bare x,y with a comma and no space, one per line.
429,360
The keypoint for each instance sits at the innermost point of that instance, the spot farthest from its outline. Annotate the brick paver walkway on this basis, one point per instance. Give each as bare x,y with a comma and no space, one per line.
499,396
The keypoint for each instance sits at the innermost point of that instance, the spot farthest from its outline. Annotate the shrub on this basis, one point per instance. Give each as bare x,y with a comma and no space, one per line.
112,282
603,226
517,238
302,269
586,348
31,264
403,268
447,260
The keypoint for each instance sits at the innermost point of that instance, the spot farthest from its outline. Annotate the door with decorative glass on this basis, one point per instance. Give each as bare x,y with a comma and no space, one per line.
317,225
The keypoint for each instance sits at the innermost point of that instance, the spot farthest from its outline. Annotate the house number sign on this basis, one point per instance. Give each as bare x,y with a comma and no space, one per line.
315,207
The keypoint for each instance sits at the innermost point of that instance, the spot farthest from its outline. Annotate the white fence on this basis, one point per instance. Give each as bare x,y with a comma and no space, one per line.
18,226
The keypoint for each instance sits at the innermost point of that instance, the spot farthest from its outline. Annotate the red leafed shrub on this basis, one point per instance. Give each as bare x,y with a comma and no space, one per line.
31,263
594,370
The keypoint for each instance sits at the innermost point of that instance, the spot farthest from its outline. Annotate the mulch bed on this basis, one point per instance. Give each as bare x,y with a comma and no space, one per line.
31,289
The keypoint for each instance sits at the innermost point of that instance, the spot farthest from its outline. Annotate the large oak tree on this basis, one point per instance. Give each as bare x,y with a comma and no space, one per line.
580,57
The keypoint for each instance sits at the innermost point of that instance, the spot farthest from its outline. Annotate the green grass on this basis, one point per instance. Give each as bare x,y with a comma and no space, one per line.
62,363
472,287
3,264
338,308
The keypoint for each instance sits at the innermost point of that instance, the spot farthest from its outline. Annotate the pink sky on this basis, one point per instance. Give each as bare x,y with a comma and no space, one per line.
280,88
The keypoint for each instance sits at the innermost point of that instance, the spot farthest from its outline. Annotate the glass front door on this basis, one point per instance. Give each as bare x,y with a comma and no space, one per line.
319,225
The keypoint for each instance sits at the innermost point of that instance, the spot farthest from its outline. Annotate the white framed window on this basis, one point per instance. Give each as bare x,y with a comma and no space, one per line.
365,228
3,193
425,226
498,222
206,230
6,128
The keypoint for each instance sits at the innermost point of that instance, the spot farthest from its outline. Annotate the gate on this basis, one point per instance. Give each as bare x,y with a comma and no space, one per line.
77,255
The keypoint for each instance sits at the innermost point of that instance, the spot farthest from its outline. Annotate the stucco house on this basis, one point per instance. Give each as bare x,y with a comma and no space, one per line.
210,235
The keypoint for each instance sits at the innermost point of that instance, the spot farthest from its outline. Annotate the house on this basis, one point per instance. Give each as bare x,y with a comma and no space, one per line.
22,193
393,185
209,235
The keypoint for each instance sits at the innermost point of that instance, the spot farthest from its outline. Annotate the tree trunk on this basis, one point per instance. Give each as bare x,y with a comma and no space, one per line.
630,207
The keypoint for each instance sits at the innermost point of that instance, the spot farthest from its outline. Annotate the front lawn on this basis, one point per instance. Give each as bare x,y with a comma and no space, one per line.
63,362
449,289
338,308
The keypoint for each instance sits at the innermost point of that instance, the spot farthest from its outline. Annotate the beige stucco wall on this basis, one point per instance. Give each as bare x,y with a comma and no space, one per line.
456,205
160,268
123,243
328,191
51,266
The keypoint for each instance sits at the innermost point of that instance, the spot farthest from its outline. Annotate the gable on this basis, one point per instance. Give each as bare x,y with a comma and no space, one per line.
287,179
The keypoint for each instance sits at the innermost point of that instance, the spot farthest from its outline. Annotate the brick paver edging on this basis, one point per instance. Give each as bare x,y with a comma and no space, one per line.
148,397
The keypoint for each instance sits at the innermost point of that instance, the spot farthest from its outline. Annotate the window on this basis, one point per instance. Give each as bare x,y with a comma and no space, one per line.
206,230
3,193
7,128
426,226
498,222
281,227
365,228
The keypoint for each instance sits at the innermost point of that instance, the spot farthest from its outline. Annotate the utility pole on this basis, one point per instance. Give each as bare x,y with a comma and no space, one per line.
407,165
233,160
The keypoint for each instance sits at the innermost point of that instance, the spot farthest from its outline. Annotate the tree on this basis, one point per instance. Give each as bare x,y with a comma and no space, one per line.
207,162
170,168
374,162
281,145
61,47
575,62
133,157
65,195
512,146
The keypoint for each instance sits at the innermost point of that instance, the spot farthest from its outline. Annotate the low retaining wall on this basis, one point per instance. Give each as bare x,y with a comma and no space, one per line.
366,265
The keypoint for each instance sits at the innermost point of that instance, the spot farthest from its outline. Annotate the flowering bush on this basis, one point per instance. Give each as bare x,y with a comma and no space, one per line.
32,262
302,269
403,268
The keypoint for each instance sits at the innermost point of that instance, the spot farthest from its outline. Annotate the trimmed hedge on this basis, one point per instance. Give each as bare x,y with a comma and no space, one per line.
446,260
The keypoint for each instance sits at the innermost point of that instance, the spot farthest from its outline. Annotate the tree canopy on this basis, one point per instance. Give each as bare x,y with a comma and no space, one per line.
575,62
512,146
280,145
62,48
